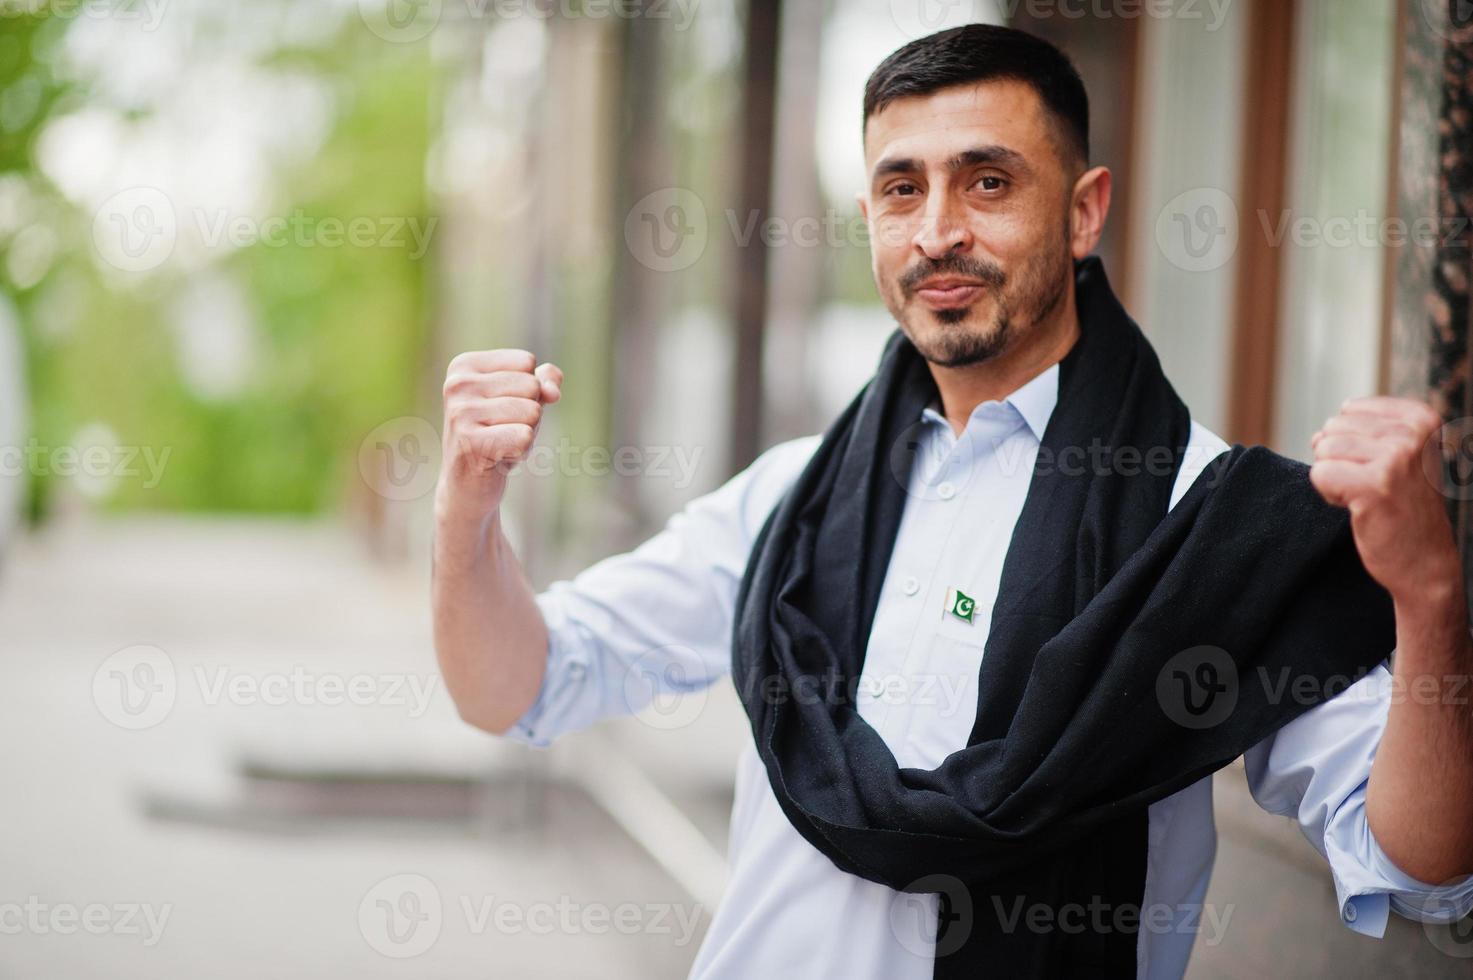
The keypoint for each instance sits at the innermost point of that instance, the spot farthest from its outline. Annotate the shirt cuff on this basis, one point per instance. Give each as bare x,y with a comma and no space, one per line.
568,656
1369,885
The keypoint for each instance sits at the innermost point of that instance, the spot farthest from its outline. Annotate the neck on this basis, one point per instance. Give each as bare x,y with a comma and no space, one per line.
1044,344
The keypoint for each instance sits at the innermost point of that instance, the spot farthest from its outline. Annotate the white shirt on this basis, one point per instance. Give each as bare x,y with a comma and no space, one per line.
666,610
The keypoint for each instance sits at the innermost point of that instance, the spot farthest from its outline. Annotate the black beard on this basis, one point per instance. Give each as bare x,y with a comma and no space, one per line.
963,348
966,349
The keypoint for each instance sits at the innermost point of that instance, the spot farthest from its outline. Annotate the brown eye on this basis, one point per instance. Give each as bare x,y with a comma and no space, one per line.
903,190
991,183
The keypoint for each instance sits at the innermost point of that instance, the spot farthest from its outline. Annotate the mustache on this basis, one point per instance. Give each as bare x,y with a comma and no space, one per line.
988,273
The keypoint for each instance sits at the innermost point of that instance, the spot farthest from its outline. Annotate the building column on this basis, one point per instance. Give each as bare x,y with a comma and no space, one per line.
1425,350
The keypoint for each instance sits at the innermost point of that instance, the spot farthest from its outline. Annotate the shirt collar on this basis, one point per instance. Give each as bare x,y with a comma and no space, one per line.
1034,401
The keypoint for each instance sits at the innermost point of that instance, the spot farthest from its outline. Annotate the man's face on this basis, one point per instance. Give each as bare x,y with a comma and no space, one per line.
968,207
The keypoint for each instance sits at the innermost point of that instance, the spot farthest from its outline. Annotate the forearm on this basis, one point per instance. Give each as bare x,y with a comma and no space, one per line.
490,637
1419,800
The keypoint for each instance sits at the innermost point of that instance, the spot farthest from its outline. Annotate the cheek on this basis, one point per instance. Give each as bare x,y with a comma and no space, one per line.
886,260
1008,236
891,236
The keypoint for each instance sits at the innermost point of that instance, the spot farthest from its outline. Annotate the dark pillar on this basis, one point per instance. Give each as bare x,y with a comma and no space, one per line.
754,196
1426,353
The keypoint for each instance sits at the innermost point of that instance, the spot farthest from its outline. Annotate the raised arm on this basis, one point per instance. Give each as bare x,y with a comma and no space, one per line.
489,633
1377,458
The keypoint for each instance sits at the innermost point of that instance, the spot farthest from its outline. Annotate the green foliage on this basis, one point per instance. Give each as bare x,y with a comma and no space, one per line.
338,330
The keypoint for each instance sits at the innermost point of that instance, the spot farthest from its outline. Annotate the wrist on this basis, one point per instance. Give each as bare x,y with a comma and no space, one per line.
465,524
1437,602
1439,578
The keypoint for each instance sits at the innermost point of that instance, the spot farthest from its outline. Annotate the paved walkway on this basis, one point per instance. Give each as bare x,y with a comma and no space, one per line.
228,752
197,817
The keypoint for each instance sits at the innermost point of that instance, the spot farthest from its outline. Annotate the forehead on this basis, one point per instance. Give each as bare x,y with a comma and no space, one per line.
933,127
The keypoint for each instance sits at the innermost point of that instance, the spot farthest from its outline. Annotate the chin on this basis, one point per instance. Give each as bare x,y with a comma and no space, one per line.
953,338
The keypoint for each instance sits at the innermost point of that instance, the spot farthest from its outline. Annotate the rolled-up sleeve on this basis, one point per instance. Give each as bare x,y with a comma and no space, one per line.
655,623
1315,770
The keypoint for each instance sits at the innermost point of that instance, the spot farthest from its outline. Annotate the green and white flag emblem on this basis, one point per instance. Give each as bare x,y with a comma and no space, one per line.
960,605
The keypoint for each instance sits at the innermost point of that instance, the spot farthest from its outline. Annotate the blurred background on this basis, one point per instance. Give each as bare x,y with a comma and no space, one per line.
239,243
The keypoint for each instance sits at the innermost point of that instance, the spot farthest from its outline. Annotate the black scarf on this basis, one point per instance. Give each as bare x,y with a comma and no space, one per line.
1100,692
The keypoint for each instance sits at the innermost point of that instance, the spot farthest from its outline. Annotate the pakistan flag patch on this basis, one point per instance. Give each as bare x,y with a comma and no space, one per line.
960,605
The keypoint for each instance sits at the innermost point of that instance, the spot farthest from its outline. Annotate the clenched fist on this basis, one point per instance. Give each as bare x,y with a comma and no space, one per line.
493,407
1373,458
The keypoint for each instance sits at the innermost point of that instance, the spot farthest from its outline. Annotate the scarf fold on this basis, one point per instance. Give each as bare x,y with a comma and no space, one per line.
1132,651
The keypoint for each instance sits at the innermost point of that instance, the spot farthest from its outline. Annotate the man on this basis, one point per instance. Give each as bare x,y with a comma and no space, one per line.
959,530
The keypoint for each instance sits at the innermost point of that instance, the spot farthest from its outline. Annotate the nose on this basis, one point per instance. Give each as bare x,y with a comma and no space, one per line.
942,230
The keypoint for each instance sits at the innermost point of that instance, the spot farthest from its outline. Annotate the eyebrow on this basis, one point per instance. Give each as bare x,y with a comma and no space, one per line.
975,157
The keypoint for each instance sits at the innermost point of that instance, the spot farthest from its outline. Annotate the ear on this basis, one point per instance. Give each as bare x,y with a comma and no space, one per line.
1088,210
863,200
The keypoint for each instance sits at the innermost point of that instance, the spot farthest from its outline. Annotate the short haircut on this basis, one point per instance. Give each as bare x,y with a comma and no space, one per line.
983,53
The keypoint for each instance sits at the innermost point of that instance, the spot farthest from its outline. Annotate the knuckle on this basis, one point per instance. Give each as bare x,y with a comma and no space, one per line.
455,416
518,359
463,446
521,436
1384,481
506,384
513,411
455,382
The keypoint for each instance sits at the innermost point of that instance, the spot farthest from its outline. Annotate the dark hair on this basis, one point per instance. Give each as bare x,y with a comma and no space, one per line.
984,53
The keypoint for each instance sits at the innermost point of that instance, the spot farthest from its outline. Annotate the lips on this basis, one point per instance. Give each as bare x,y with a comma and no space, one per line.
946,293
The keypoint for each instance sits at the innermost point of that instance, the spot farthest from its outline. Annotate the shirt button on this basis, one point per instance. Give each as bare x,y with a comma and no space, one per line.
576,669
1350,912
910,586
946,491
